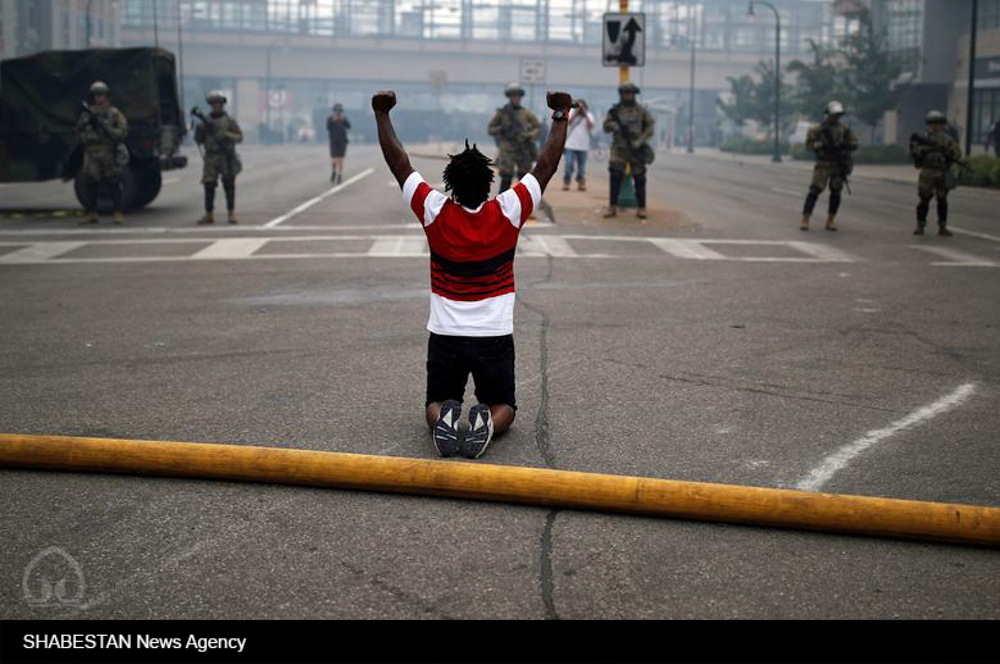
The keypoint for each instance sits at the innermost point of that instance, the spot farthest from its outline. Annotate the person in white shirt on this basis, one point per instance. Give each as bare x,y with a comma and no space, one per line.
581,123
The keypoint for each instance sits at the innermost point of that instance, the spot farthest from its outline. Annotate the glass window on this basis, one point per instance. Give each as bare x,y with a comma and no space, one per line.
985,113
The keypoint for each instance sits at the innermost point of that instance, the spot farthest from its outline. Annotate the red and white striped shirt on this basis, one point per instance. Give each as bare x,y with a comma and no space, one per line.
472,256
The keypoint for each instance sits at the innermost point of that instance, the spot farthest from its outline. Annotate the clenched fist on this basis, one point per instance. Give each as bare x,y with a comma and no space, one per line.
559,101
383,101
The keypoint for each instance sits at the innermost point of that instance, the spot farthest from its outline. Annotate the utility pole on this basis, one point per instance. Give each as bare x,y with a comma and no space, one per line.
970,117
777,76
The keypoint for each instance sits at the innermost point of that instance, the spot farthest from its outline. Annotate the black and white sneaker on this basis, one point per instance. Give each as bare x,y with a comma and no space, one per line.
480,433
445,432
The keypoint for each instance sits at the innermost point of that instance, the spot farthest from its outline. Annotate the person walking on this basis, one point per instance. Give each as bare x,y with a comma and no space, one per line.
337,126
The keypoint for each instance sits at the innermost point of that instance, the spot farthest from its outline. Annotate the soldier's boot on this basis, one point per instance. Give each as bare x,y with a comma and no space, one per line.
804,224
231,217
610,211
209,218
119,218
830,225
581,185
943,217
641,213
919,230
89,218
565,186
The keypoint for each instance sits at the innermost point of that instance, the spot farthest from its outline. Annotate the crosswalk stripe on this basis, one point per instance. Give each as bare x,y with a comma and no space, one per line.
955,257
40,252
231,248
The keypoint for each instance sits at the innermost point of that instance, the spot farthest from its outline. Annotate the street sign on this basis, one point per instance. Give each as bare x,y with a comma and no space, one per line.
532,71
624,40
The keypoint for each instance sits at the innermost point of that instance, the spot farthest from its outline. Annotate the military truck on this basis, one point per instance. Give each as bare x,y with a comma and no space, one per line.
41,98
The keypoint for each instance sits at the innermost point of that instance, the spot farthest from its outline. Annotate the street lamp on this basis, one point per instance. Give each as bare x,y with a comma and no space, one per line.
970,118
693,43
777,75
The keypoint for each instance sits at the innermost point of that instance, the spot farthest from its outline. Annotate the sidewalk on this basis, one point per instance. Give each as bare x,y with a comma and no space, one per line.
887,172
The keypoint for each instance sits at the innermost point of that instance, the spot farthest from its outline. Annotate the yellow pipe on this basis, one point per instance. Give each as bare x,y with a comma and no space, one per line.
861,515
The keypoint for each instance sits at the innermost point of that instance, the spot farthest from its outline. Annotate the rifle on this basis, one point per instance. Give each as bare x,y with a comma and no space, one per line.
121,152
643,153
211,128
924,141
841,155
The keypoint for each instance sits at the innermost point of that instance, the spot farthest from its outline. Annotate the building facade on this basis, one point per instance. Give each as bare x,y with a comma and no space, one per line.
283,62
29,26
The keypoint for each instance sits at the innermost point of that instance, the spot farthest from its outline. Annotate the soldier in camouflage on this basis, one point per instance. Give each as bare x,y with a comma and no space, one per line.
935,154
515,130
101,130
219,134
833,142
632,128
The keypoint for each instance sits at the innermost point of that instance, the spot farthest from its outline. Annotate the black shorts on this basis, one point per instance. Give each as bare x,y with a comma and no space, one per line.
490,360
338,150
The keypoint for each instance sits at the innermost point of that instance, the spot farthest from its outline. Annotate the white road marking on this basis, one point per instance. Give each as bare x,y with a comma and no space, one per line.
40,252
687,249
839,459
398,246
223,228
171,181
787,192
983,236
231,248
312,201
413,244
956,258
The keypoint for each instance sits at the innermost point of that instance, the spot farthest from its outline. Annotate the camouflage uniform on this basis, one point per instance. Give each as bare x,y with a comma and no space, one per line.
100,144
935,162
515,129
827,171
639,122
219,134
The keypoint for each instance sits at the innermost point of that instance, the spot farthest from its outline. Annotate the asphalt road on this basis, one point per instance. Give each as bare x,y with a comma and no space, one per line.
717,343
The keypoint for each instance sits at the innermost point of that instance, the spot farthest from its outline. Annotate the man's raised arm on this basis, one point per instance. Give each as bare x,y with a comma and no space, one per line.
392,150
548,160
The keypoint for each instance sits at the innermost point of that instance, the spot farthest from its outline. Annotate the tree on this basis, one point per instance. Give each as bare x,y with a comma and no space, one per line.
817,82
763,99
740,110
754,100
873,75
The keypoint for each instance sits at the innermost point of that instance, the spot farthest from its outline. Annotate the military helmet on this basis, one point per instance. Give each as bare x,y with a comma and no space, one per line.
513,88
99,88
215,96
338,108
628,87
936,117
835,108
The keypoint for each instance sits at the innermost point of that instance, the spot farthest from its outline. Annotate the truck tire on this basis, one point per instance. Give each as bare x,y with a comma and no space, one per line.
129,190
149,181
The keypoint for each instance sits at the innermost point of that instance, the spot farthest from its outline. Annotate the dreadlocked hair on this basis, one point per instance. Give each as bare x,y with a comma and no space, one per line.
469,176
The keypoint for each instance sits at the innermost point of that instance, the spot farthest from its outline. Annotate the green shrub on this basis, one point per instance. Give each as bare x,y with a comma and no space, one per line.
995,175
744,145
981,171
869,154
